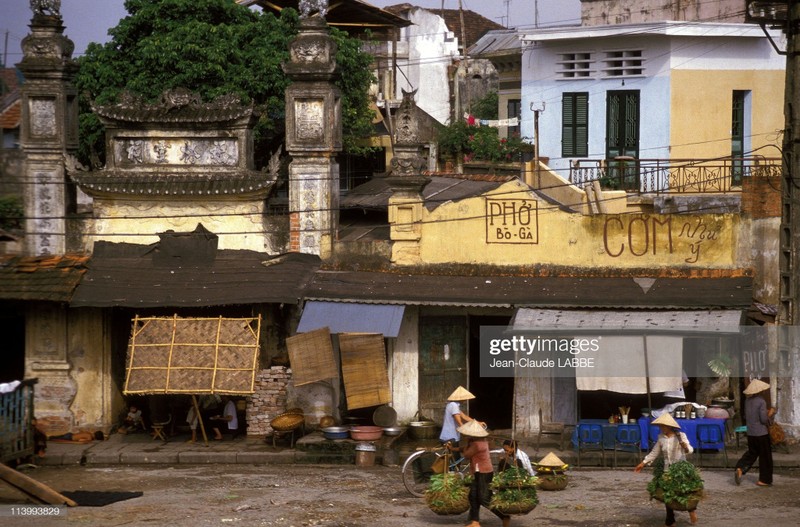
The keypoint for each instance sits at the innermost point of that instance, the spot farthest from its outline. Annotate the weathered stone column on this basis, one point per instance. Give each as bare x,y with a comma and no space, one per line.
313,137
49,128
406,181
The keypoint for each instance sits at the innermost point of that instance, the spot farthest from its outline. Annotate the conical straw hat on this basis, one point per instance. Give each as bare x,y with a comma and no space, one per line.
551,460
460,394
473,429
756,386
666,420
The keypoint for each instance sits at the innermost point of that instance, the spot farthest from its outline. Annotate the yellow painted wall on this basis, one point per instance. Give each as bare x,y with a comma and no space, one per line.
522,230
137,221
710,136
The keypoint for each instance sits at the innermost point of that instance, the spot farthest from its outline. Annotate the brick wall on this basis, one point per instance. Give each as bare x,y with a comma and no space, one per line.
761,197
294,232
268,401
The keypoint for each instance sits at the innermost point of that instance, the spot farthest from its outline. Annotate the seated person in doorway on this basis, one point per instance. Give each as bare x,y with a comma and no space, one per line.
132,421
228,416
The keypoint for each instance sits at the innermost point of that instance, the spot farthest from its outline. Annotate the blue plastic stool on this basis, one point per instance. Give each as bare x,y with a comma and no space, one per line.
739,430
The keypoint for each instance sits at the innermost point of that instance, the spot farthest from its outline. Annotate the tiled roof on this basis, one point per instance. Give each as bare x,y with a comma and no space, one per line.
475,25
726,291
179,184
10,105
124,274
347,15
46,278
10,116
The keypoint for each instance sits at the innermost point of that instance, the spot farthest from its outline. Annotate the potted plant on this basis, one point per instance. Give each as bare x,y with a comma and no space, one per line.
680,486
447,494
514,491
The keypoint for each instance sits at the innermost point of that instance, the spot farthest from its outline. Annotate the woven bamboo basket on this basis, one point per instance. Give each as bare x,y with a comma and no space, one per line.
691,505
451,507
286,422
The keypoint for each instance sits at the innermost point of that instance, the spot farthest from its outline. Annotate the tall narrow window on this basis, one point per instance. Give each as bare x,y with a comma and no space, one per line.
575,125
514,110
622,138
738,135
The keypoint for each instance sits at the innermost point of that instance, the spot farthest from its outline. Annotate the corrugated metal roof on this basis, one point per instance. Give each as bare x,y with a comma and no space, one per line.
45,278
497,42
122,274
540,291
352,318
375,193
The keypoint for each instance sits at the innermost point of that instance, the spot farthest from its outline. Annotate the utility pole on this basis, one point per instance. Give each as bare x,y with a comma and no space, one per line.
465,60
789,313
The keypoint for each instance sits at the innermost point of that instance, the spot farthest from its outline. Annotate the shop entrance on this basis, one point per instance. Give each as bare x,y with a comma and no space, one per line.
12,326
494,397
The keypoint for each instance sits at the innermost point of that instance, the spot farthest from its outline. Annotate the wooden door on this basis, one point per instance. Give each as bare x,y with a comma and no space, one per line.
442,362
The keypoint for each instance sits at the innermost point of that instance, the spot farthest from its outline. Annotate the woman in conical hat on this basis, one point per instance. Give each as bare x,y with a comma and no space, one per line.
480,465
454,416
673,445
759,447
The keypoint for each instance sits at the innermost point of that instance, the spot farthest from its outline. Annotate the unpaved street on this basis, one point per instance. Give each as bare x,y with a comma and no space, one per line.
350,496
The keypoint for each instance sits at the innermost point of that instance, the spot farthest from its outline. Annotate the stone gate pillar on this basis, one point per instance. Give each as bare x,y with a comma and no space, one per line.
49,128
406,181
313,137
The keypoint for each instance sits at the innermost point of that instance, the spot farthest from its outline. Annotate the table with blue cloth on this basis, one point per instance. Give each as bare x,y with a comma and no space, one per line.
688,427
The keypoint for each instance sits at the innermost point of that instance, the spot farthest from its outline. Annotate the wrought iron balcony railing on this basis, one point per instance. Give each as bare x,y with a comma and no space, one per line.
672,175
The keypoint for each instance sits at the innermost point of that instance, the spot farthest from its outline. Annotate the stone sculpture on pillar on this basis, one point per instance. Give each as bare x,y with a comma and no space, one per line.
313,136
406,181
49,127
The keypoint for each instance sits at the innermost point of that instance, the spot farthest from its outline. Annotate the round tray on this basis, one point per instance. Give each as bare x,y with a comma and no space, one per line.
287,422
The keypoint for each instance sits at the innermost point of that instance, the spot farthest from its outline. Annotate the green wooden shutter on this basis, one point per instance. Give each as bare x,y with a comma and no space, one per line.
575,125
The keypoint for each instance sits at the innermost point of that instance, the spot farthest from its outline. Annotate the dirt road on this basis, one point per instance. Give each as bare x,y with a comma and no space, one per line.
349,496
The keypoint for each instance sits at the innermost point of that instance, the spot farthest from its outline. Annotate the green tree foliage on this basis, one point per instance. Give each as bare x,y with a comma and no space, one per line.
11,212
212,47
486,107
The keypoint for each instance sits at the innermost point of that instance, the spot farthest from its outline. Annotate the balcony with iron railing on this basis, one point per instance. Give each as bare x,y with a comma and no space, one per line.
672,175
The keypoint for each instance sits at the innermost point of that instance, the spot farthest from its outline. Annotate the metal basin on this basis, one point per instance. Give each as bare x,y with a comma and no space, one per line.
335,432
393,430
423,429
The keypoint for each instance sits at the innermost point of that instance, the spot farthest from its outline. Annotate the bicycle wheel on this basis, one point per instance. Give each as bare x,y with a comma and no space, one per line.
417,471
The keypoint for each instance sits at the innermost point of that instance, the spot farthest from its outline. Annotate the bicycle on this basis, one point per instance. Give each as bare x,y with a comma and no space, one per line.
418,468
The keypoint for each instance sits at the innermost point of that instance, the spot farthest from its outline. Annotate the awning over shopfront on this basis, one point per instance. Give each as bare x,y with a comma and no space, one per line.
711,321
657,357
344,317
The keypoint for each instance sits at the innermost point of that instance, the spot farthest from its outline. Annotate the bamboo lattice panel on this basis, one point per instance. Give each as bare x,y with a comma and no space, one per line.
169,355
311,357
366,379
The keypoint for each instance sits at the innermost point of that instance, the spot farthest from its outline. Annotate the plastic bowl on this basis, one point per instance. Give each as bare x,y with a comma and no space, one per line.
366,433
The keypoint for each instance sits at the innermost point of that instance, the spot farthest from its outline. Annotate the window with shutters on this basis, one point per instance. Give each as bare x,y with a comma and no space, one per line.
575,125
